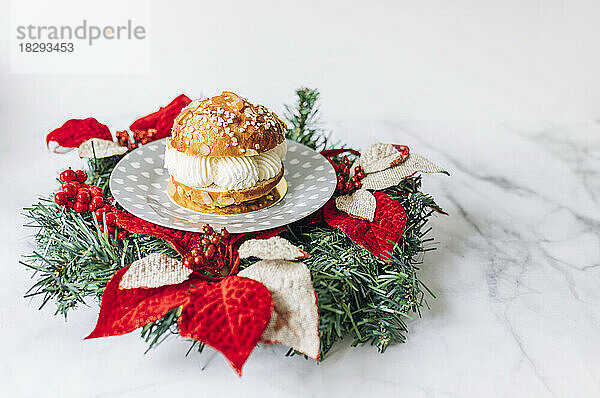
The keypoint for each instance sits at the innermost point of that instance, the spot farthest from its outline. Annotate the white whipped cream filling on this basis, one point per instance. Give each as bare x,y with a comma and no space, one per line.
227,172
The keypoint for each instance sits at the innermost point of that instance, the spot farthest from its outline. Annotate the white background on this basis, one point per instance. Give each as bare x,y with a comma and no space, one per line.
392,60
504,94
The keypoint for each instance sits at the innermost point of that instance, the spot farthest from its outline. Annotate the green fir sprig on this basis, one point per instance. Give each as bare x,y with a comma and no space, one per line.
359,295
303,120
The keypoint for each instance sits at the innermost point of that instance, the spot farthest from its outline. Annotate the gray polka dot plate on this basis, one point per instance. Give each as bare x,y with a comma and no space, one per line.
139,184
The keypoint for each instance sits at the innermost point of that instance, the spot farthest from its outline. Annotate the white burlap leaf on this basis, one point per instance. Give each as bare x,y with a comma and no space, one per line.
274,248
380,156
394,175
154,270
361,204
100,148
295,318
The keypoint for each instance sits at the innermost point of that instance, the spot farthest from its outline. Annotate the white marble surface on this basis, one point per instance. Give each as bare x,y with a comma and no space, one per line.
516,273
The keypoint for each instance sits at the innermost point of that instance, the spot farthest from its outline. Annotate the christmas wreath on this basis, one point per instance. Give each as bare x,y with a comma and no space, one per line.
349,269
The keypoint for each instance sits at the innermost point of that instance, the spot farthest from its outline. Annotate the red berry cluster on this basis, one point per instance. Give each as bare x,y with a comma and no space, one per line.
123,138
140,137
78,196
347,184
75,194
107,219
211,253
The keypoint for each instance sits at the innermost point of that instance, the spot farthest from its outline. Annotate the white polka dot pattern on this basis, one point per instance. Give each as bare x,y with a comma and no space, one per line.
139,184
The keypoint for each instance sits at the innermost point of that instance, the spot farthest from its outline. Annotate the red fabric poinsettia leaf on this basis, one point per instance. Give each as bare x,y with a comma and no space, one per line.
378,236
150,121
182,241
334,152
330,153
229,315
162,120
124,310
76,131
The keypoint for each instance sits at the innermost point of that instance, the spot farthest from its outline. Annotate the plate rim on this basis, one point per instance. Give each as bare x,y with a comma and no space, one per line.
224,220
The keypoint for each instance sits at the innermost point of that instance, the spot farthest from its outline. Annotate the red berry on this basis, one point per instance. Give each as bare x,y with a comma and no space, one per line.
111,229
96,203
340,186
99,213
197,260
215,240
122,235
101,227
83,196
349,185
81,176
61,198
224,234
80,207
357,184
196,251
210,251
70,190
187,262
357,169
345,160
68,176
96,191
205,242
208,229
107,208
110,218
144,141
76,184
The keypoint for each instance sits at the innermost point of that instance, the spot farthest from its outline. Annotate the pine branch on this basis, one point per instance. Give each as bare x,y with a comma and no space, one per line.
303,118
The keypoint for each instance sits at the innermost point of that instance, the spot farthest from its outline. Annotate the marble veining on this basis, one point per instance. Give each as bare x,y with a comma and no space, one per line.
516,274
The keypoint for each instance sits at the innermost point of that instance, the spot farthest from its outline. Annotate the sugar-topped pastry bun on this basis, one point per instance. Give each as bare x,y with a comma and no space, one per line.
225,150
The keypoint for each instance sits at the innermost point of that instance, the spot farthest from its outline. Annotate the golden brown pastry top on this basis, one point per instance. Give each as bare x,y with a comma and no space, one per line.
226,125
